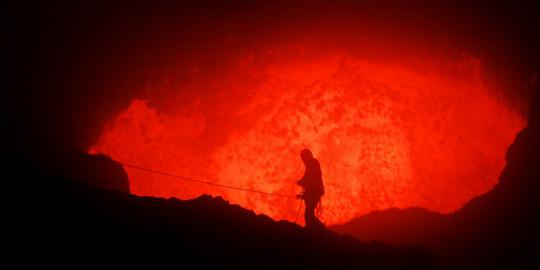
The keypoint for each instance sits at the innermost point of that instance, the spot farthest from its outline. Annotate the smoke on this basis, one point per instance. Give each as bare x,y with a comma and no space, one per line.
200,66
382,132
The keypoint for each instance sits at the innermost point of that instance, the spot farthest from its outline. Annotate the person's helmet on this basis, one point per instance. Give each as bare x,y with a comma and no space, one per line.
306,154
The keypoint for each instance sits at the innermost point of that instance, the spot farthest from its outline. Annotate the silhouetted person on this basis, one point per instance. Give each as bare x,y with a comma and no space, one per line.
313,188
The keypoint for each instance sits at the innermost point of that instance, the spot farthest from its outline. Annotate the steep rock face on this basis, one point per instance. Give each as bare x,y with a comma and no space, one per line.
499,228
504,223
60,218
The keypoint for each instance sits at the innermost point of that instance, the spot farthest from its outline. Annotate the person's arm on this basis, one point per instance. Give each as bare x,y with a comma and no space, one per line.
302,181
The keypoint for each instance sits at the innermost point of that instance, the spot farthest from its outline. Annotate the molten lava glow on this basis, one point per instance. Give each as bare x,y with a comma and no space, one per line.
386,136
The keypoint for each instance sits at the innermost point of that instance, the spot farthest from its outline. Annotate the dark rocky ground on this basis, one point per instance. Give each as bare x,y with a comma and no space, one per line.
61,218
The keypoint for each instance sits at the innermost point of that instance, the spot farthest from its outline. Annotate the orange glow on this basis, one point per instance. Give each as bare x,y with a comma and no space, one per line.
385,135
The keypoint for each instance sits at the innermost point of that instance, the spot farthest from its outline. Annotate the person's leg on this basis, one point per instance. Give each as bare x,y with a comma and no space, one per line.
309,214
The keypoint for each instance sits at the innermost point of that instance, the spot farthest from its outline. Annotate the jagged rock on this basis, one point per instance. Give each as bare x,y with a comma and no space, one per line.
67,218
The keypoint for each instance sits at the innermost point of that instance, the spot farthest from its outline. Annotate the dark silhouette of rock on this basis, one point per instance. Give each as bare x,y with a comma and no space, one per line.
60,218
398,226
99,171
494,230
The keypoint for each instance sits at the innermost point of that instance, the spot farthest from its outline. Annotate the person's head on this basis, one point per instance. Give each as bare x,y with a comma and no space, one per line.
306,155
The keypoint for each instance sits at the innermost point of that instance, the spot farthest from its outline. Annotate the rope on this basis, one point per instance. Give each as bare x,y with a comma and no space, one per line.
202,181
319,209
213,184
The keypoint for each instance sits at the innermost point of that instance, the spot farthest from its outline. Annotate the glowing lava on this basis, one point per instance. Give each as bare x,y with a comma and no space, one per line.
386,136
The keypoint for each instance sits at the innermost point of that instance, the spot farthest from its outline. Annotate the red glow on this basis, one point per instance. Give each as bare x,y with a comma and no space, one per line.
385,135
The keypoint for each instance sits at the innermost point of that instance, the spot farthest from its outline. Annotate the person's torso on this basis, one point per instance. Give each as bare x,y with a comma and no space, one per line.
314,181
